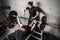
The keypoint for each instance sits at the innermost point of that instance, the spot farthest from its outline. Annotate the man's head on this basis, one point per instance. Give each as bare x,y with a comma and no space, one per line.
30,4
25,28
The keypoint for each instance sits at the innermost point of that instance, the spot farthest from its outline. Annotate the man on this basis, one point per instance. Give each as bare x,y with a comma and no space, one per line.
19,34
34,12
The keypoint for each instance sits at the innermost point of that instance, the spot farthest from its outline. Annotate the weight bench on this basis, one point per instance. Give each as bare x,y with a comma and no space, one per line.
37,33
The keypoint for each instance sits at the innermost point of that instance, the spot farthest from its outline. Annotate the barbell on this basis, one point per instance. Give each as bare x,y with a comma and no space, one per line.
49,24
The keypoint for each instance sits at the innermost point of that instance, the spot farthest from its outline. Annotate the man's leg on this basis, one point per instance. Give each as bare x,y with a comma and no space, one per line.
19,35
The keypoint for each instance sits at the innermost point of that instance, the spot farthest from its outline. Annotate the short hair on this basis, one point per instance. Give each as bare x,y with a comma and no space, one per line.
30,3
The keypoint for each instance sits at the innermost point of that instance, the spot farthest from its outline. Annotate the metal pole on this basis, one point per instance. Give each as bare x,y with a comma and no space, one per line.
56,26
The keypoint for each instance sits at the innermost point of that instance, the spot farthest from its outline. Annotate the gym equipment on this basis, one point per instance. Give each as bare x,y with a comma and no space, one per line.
49,24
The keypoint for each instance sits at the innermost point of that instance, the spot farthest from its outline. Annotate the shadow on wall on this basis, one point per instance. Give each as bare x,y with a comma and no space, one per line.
38,4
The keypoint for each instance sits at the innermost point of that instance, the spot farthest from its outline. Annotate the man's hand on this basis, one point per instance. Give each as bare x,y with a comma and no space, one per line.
32,18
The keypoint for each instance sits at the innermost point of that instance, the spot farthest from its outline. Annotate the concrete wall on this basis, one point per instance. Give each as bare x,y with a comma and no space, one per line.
51,7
